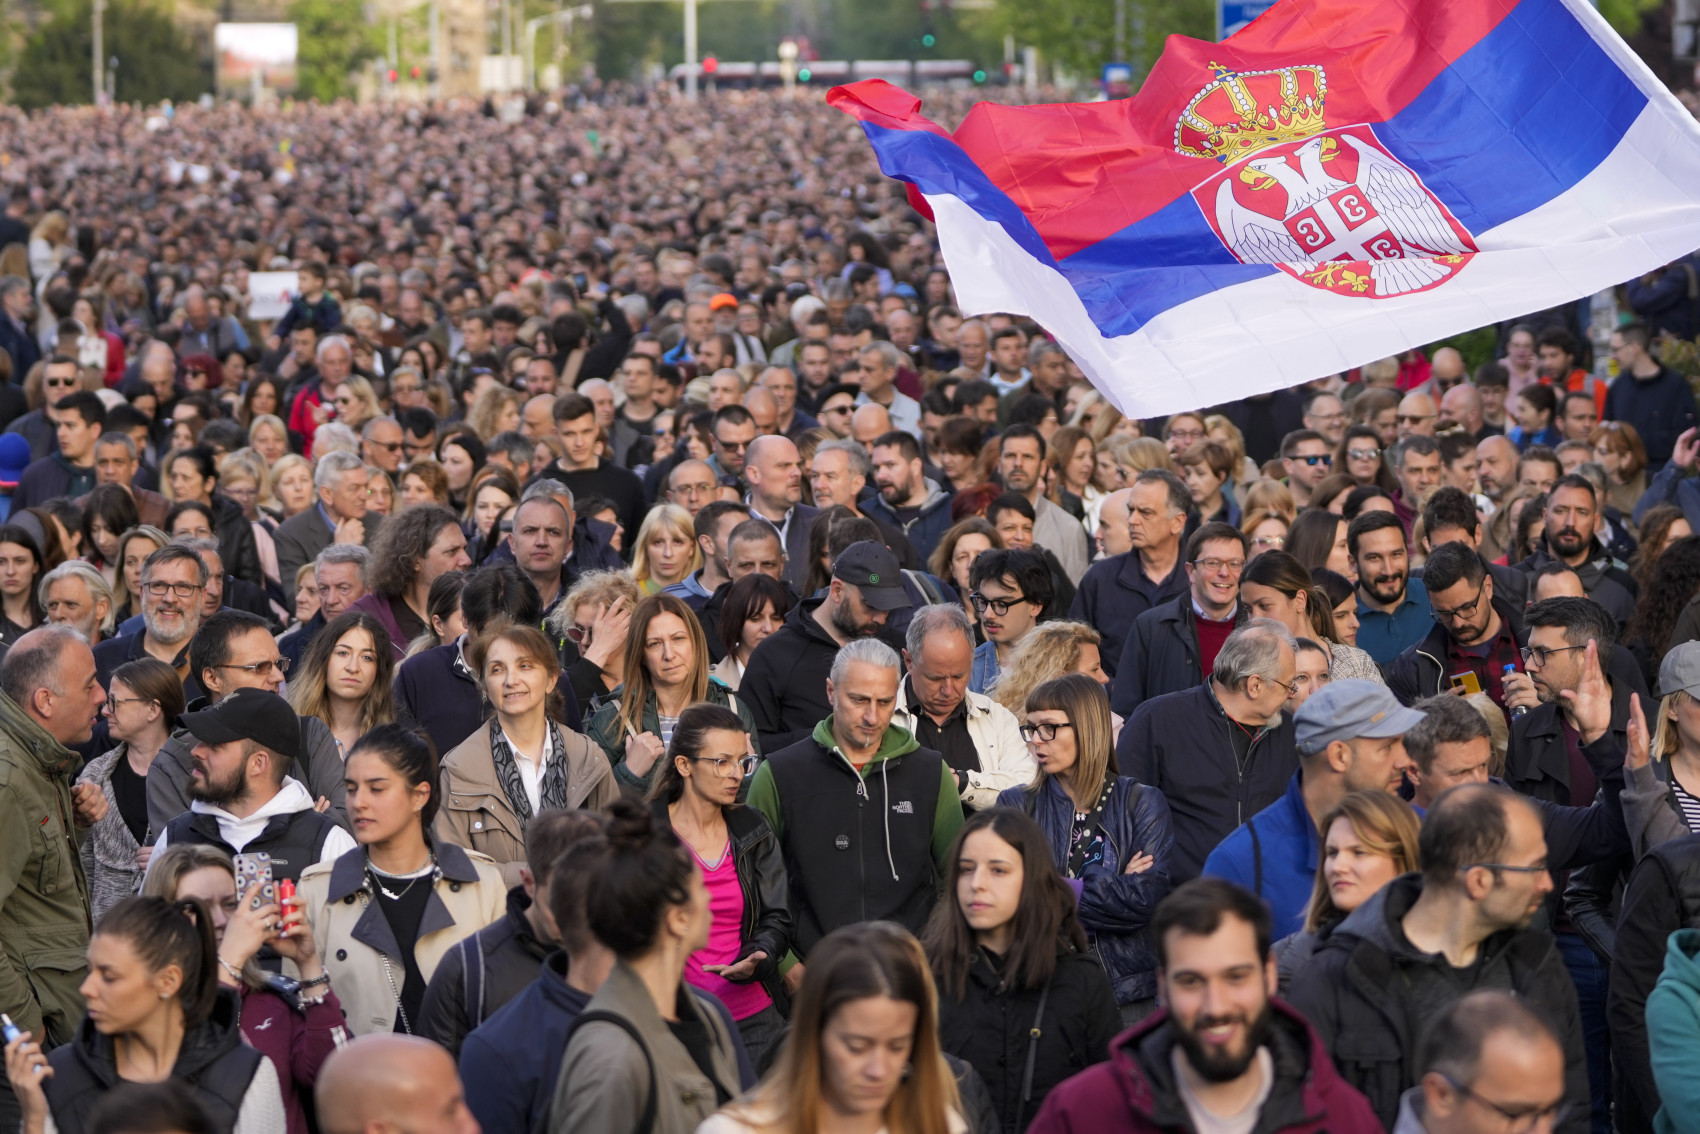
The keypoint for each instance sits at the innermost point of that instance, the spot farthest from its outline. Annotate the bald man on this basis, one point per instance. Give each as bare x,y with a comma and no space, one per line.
1114,536
764,408
1446,371
391,1084
1463,404
537,419
868,423
1417,414
774,472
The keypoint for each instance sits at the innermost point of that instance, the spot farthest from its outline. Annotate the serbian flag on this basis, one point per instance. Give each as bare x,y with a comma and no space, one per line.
1340,181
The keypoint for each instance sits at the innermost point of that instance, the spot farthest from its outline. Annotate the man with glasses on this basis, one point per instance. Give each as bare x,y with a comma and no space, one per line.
692,486
1417,415
381,445
244,797
1427,939
1393,608
1173,646
58,378
1491,1065
1116,590
1221,751
173,580
1350,737
339,578
1307,457
1010,589
1325,413
1474,639
340,516
231,652
732,433
837,407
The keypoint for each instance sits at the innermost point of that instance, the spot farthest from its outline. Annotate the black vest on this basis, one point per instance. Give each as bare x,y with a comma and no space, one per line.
214,1063
294,841
841,843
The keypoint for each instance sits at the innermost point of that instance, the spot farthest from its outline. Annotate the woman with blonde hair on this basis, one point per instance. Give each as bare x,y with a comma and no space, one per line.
666,669
269,437
245,479
1265,528
1368,839
497,410
50,243
1105,830
1661,769
380,491
596,616
292,485
1050,650
356,402
873,975
666,550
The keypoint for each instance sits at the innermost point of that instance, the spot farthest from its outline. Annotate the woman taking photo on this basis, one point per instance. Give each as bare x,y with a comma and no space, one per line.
192,475
108,512
1022,998
344,679
412,879
666,550
155,1012
754,608
1108,833
296,1031
20,567
646,1035
666,667
1273,585
1369,839
867,981
522,761
143,701
696,793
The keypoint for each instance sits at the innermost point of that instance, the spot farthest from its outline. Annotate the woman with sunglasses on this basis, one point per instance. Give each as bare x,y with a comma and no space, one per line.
696,793
1109,834
1360,457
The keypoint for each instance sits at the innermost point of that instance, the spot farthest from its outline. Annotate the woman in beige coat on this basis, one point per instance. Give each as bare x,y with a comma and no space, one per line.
385,913
521,761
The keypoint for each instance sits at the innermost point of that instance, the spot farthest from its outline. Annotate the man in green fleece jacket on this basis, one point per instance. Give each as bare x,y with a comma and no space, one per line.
864,814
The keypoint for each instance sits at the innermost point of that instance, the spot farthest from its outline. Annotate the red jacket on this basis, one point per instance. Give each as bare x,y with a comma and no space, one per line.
1135,1092
297,1043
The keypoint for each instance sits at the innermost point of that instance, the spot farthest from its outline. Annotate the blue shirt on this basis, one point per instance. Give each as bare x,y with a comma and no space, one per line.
1280,865
1385,636
985,669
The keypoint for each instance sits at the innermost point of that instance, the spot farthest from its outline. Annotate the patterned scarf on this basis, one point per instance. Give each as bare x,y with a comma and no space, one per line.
554,788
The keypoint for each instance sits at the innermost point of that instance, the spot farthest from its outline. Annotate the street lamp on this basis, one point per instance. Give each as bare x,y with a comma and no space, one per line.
788,64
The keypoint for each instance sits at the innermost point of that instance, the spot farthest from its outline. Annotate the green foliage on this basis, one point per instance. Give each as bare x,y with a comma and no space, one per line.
335,39
1080,34
156,60
1476,346
1625,15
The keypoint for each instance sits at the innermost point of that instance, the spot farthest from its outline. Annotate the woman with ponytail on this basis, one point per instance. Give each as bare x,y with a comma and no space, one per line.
1276,585
649,1053
155,1012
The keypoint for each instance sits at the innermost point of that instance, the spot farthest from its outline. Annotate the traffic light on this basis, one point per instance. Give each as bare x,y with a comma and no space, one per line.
710,65
979,76
803,75
413,73
928,40
390,74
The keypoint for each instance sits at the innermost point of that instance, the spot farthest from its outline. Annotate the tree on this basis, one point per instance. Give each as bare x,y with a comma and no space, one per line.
334,39
1080,34
156,59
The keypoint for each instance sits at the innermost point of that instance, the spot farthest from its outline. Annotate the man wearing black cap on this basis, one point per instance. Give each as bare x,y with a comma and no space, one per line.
785,682
244,800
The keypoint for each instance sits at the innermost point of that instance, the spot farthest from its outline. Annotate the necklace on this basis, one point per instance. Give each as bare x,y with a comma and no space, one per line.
376,876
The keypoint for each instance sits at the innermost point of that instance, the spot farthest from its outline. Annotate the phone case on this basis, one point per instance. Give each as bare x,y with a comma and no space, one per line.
1469,681
257,867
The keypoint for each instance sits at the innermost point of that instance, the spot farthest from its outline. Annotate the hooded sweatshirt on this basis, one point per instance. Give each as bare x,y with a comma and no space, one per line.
866,845
1673,1033
238,831
785,682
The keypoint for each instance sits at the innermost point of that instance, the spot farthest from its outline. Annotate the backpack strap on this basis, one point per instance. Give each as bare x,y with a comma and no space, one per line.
924,583
646,1123
472,979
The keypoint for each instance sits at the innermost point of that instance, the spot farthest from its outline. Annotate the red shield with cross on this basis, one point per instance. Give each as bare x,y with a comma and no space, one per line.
1339,212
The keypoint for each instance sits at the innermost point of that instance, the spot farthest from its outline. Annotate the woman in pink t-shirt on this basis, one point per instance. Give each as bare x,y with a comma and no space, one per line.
742,867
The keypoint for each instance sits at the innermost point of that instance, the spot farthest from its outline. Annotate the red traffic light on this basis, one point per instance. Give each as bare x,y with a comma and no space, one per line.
413,73
710,65
391,74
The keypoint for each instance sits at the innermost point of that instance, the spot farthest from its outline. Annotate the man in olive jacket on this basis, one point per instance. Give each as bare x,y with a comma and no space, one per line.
49,699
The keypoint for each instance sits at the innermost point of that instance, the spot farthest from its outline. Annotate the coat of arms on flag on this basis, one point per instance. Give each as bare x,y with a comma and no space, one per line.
1330,207
1337,182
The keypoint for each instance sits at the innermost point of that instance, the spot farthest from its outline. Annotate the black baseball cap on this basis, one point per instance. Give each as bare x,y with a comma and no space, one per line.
249,714
873,570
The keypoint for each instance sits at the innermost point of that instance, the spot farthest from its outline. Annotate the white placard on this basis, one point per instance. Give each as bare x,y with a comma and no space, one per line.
269,293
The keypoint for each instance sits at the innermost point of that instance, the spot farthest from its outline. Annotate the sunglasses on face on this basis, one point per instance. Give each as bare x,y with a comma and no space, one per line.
1315,459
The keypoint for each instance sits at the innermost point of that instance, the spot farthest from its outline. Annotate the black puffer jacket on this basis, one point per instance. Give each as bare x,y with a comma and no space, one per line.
1366,988
989,1028
784,683
213,1062
236,543
1663,896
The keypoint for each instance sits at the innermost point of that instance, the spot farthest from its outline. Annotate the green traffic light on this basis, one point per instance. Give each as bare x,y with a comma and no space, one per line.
928,41
803,75
979,76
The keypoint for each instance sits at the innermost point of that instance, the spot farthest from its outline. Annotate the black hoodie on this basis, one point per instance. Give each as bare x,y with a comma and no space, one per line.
213,1062
785,683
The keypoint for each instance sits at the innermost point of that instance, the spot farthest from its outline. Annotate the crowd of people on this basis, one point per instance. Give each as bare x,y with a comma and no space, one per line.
623,652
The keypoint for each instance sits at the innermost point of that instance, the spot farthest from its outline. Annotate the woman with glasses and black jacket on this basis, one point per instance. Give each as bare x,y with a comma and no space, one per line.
696,793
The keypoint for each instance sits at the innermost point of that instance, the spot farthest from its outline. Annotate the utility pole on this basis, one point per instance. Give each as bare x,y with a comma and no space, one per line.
1121,31
98,56
562,19
693,67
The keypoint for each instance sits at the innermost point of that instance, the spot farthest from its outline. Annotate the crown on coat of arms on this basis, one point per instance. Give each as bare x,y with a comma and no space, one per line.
1241,112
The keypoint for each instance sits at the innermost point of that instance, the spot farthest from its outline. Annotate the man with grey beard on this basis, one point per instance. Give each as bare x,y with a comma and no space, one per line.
173,582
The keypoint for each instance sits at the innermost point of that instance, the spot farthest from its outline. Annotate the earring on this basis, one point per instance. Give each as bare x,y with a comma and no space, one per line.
165,996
